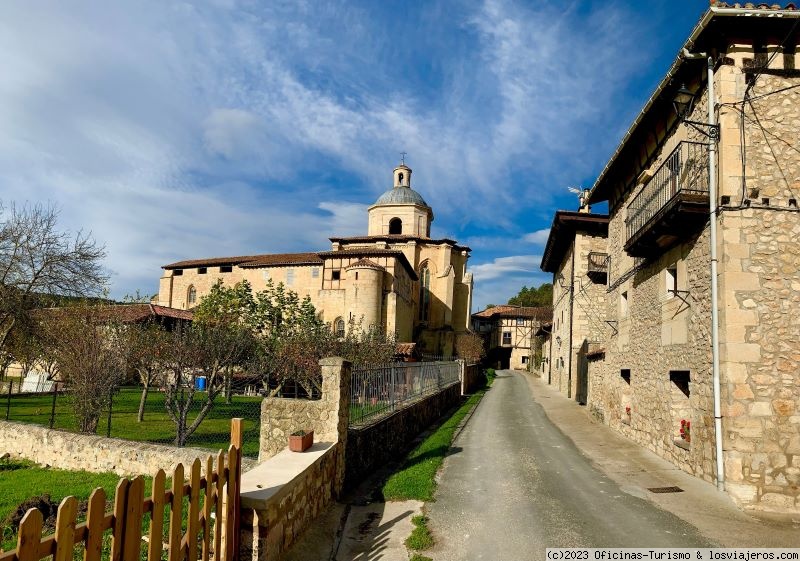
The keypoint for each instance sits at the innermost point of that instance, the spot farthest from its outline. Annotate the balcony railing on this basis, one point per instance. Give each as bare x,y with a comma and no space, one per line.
681,181
597,268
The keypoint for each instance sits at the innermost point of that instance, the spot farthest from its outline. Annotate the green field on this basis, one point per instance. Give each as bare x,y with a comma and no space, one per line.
213,432
21,480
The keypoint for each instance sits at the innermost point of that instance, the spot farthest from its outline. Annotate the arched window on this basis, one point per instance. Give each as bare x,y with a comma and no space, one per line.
395,226
191,295
338,327
400,178
424,292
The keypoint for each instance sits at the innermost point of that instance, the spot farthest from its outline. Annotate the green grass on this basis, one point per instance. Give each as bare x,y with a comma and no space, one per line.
213,432
21,480
420,538
415,478
418,557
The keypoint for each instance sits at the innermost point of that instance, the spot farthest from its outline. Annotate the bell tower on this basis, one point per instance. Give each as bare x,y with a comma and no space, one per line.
402,176
400,211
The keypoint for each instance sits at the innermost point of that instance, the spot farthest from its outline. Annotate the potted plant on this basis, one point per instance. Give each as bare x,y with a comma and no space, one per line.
300,441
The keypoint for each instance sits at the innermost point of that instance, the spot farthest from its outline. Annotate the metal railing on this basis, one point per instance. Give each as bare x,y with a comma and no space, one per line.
378,391
598,262
685,170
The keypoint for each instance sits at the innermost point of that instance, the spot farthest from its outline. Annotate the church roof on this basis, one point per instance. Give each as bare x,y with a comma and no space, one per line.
399,238
508,311
401,196
264,260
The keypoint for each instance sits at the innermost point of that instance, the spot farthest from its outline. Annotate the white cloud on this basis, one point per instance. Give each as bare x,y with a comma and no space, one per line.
504,266
184,130
538,237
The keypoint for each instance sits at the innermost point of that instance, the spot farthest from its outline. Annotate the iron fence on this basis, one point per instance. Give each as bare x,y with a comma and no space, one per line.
685,170
379,391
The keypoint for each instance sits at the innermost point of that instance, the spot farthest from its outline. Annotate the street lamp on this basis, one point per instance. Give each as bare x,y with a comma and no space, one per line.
683,103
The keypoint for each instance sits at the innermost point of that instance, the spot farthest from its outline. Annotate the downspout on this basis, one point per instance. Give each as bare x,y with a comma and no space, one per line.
712,204
571,306
712,211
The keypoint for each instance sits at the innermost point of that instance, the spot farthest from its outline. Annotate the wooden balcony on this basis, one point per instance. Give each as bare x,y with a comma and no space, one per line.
597,268
673,205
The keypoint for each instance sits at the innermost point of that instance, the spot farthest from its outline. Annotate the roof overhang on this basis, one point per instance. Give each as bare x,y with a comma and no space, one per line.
719,24
562,232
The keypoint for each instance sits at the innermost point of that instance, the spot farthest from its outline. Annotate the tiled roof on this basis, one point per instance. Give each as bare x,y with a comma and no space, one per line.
284,259
129,313
365,263
540,313
399,238
722,22
562,232
751,6
265,260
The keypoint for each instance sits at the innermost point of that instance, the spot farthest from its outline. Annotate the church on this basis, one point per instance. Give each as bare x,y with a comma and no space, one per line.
396,277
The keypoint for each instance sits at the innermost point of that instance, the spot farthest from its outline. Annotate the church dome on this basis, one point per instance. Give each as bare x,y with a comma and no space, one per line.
402,193
399,196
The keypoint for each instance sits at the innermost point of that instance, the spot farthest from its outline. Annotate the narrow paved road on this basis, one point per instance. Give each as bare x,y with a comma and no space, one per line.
516,485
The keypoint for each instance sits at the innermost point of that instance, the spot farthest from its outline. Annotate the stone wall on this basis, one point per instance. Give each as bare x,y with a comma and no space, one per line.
328,417
662,337
472,377
287,491
68,450
371,446
274,519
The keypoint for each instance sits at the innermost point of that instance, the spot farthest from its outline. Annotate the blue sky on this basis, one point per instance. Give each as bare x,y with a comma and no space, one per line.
184,130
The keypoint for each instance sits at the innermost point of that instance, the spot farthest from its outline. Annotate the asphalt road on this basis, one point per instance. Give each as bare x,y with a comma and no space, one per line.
515,485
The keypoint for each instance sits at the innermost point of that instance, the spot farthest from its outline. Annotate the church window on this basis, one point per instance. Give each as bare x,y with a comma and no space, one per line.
201,270
290,277
226,269
338,327
400,178
177,272
336,275
191,295
424,293
315,272
395,226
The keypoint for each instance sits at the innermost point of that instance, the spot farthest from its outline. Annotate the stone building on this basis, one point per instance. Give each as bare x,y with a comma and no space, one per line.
396,277
653,381
508,333
577,257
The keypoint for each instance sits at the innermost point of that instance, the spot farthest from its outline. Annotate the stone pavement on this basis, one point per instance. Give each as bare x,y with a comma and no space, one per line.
367,529
636,469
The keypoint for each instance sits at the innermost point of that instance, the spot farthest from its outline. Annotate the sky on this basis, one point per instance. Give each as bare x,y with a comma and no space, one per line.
180,130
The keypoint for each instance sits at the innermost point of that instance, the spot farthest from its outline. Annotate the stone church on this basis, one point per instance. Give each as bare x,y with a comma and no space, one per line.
396,277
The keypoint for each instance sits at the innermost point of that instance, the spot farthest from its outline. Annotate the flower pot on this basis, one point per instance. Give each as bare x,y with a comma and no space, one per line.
301,440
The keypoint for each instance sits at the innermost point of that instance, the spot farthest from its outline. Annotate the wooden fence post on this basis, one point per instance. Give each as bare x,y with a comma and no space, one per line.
237,440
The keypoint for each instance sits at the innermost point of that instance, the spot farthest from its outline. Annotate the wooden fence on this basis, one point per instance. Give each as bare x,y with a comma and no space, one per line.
210,532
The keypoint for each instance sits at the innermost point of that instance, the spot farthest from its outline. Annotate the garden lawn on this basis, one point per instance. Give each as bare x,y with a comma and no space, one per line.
21,480
213,432
415,478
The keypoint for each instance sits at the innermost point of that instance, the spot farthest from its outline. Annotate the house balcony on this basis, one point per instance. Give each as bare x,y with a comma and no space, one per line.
673,205
597,268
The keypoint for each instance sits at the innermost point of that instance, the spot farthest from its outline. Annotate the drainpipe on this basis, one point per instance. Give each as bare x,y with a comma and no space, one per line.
712,204
712,210
571,306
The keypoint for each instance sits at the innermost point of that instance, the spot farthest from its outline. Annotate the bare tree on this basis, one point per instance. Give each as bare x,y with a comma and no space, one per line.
88,350
208,351
146,348
470,347
36,258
